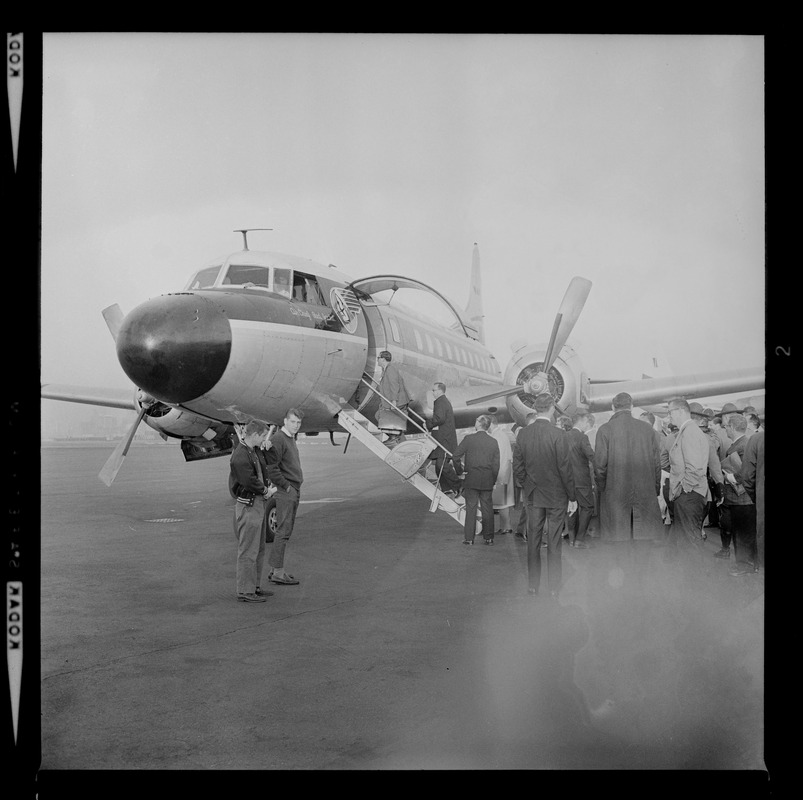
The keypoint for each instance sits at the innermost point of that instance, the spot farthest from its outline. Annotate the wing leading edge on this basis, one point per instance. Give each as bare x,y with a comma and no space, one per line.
90,395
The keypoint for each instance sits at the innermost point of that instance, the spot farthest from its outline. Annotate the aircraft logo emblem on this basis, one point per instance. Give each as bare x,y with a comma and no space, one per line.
346,306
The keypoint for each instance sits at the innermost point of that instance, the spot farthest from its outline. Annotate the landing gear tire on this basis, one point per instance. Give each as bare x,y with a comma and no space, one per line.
272,526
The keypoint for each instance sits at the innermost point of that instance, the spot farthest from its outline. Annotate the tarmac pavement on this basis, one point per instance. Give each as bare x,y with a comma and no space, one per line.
400,648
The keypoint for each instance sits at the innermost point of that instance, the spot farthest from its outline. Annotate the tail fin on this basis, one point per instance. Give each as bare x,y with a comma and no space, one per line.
474,305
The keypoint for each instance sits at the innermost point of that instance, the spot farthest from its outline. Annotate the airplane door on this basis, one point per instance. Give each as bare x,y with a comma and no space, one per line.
377,342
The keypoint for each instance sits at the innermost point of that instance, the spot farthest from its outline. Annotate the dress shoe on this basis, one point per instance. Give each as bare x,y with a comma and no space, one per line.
262,592
521,536
466,541
532,591
581,545
487,541
725,552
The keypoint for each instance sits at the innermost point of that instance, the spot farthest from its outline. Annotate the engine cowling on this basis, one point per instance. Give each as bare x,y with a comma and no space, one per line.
200,437
564,381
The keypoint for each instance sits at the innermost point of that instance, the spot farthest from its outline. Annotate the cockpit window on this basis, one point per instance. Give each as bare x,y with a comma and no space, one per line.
204,278
241,275
306,289
281,281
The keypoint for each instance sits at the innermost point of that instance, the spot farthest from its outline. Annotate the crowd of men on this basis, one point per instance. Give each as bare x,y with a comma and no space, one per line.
641,480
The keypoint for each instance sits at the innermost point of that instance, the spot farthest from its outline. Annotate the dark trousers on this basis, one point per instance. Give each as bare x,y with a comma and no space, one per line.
743,525
544,523
521,525
449,482
483,498
577,523
713,508
687,521
725,530
286,508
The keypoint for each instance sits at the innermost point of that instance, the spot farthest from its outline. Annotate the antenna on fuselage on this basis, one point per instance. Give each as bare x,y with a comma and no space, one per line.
244,232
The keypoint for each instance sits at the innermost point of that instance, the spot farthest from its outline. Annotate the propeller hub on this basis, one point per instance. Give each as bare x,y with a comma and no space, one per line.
537,384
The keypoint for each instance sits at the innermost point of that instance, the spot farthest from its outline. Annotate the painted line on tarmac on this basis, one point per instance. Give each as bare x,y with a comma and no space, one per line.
324,500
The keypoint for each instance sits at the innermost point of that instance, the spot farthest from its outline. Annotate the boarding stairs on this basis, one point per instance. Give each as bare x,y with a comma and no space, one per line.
405,458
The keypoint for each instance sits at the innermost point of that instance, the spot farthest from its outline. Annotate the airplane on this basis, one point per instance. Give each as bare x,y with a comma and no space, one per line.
253,333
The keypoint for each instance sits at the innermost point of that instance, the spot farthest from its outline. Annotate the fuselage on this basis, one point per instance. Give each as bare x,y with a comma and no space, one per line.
255,333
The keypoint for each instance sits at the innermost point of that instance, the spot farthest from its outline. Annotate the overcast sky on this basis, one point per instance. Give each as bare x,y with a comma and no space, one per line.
634,161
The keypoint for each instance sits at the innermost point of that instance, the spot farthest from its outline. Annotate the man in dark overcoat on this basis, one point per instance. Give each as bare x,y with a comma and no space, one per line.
541,464
479,452
444,432
627,466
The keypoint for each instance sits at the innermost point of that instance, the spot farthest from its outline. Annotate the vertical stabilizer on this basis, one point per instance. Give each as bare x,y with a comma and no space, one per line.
474,311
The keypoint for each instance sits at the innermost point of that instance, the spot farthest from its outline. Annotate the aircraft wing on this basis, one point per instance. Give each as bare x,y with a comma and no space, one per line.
466,416
90,395
598,396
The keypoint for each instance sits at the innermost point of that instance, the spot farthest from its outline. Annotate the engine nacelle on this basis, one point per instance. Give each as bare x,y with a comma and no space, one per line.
200,438
565,380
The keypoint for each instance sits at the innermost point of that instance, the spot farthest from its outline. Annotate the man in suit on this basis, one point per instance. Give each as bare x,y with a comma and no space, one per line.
542,465
444,432
627,466
480,455
581,456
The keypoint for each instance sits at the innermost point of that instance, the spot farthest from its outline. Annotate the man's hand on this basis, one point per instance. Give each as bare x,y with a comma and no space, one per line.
572,507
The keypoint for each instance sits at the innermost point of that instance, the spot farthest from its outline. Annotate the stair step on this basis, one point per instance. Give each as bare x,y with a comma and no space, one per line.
405,459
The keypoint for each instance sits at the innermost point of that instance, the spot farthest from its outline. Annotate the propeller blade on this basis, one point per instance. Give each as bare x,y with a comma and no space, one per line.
115,460
114,319
506,392
568,313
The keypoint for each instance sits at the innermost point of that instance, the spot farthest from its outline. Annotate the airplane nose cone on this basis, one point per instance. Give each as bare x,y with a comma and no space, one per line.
175,347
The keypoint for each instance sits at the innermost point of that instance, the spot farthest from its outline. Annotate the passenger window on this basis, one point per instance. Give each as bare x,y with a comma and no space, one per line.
449,351
429,343
394,329
418,343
